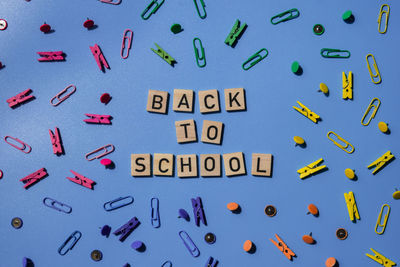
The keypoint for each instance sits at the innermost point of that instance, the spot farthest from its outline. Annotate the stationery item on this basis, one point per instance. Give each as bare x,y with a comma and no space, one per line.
235,33
167,264
156,3
189,244
341,233
233,206
33,178
88,24
200,55
20,98
24,146
312,209
379,258
270,210
352,206
51,56
248,246
107,150
98,119
164,55
56,141
126,43
60,96
383,127
346,144
99,57
69,243
126,229
3,24
198,211
318,29
381,162
118,203
183,214
57,205
308,239
379,222
16,222
211,262
202,13
82,180
307,112
373,106
113,2
254,59
137,245
383,12
285,16
347,85
334,53
311,168
283,247
210,238
349,173
96,255
45,28
155,213
376,73
106,230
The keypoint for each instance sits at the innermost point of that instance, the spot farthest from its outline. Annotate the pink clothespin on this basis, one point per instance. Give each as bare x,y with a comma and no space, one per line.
34,177
99,57
20,98
100,119
82,180
56,141
51,56
113,2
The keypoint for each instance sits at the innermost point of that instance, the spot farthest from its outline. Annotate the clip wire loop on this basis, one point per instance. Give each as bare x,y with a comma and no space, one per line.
381,12
165,264
117,2
254,59
203,7
75,236
23,146
334,53
343,147
155,212
118,203
189,244
370,106
106,152
61,99
200,57
128,35
154,10
54,204
379,221
287,15
377,74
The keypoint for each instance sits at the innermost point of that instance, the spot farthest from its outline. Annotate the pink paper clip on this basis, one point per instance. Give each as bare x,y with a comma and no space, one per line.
82,180
61,99
106,151
56,141
51,56
24,147
99,119
116,2
99,57
125,37
34,177
20,98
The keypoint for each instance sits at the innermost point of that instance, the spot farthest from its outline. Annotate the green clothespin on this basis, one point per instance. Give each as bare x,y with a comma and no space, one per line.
154,10
198,10
164,55
235,33
200,58
285,16
254,59
334,53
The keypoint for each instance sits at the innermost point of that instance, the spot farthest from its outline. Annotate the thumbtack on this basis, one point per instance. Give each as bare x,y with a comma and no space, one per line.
105,98
3,24
106,230
45,28
106,162
88,24
248,246
349,173
1,174
137,245
323,88
312,209
396,194
331,262
233,206
299,140
308,239
176,28
183,214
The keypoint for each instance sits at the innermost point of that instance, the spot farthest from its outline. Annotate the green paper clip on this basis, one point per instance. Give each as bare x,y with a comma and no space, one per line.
235,33
157,6
334,53
293,13
202,6
164,55
254,59
200,58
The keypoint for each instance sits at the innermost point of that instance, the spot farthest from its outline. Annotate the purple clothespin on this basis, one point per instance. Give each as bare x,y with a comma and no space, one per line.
126,229
211,262
198,211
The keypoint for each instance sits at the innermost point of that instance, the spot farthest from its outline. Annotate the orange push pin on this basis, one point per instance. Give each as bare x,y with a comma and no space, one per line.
331,262
308,239
313,210
248,246
233,206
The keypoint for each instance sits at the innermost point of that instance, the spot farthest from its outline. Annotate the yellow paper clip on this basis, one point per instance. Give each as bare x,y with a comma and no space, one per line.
378,223
307,112
311,169
381,161
347,84
381,12
377,74
343,147
379,258
370,106
352,206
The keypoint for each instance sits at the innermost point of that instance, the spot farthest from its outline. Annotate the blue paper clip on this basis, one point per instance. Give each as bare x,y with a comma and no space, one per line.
54,204
334,53
110,205
200,56
211,262
188,242
198,10
154,10
167,264
75,236
254,59
155,213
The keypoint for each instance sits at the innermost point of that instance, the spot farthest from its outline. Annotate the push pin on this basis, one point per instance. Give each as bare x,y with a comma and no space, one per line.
248,246
348,17
341,233
299,141
296,68
96,255
1,174
106,230
270,210
312,209
183,214
323,88
176,28
383,127
138,245
105,98
349,173
318,29
88,24
45,28
308,239
106,162
210,238
234,207
3,24
331,262
396,194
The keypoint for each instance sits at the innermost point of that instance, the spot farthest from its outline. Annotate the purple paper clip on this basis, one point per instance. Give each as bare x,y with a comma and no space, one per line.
127,37
198,211
126,229
54,204
116,2
61,99
71,241
167,264
118,203
106,152
188,242
211,262
23,147
155,213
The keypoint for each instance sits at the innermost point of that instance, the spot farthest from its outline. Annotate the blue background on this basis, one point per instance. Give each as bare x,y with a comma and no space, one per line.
267,126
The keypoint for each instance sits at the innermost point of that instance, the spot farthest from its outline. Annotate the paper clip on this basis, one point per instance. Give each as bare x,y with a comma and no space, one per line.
379,223
334,53
370,106
189,244
198,211
202,7
377,75
99,57
381,12
211,262
351,206
116,2
311,168
283,247
379,258
347,85
106,152
254,59
24,147
164,55
33,178
236,31
155,213
74,237
167,264
56,141
118,203
82,180
381,161
285,16
307,112
200,57
128,37
98,119
51,56
126,229
54,204
61,99
154,10
343,147
20,98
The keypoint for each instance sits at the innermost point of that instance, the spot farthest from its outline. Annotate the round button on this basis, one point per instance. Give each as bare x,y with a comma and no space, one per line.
341,233
16,222
210,238
3,24
96,255
349,173
318,29
270,210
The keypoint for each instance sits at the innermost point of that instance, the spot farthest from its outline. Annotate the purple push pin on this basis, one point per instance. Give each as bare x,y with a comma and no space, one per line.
106,230
24,262
183,214
137,245
127,265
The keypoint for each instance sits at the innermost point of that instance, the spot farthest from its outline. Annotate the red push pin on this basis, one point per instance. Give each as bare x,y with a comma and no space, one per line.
1,65
1,174
88,23
106,162
45,28
105,98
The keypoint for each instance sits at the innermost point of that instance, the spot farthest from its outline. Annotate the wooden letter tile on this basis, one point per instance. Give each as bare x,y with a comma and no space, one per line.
209,101
186,131
140,165
163,164
212,132
261,164
183,100
234,164
157,101
187,165
235,99
210,165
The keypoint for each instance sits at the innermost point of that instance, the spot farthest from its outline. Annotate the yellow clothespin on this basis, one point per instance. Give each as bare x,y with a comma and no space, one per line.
379,221
311,169
307,112
379,258
347,84
352,206
381,161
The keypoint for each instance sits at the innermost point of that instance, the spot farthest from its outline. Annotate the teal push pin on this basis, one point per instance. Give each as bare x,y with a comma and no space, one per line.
348,17
176,28
296,68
